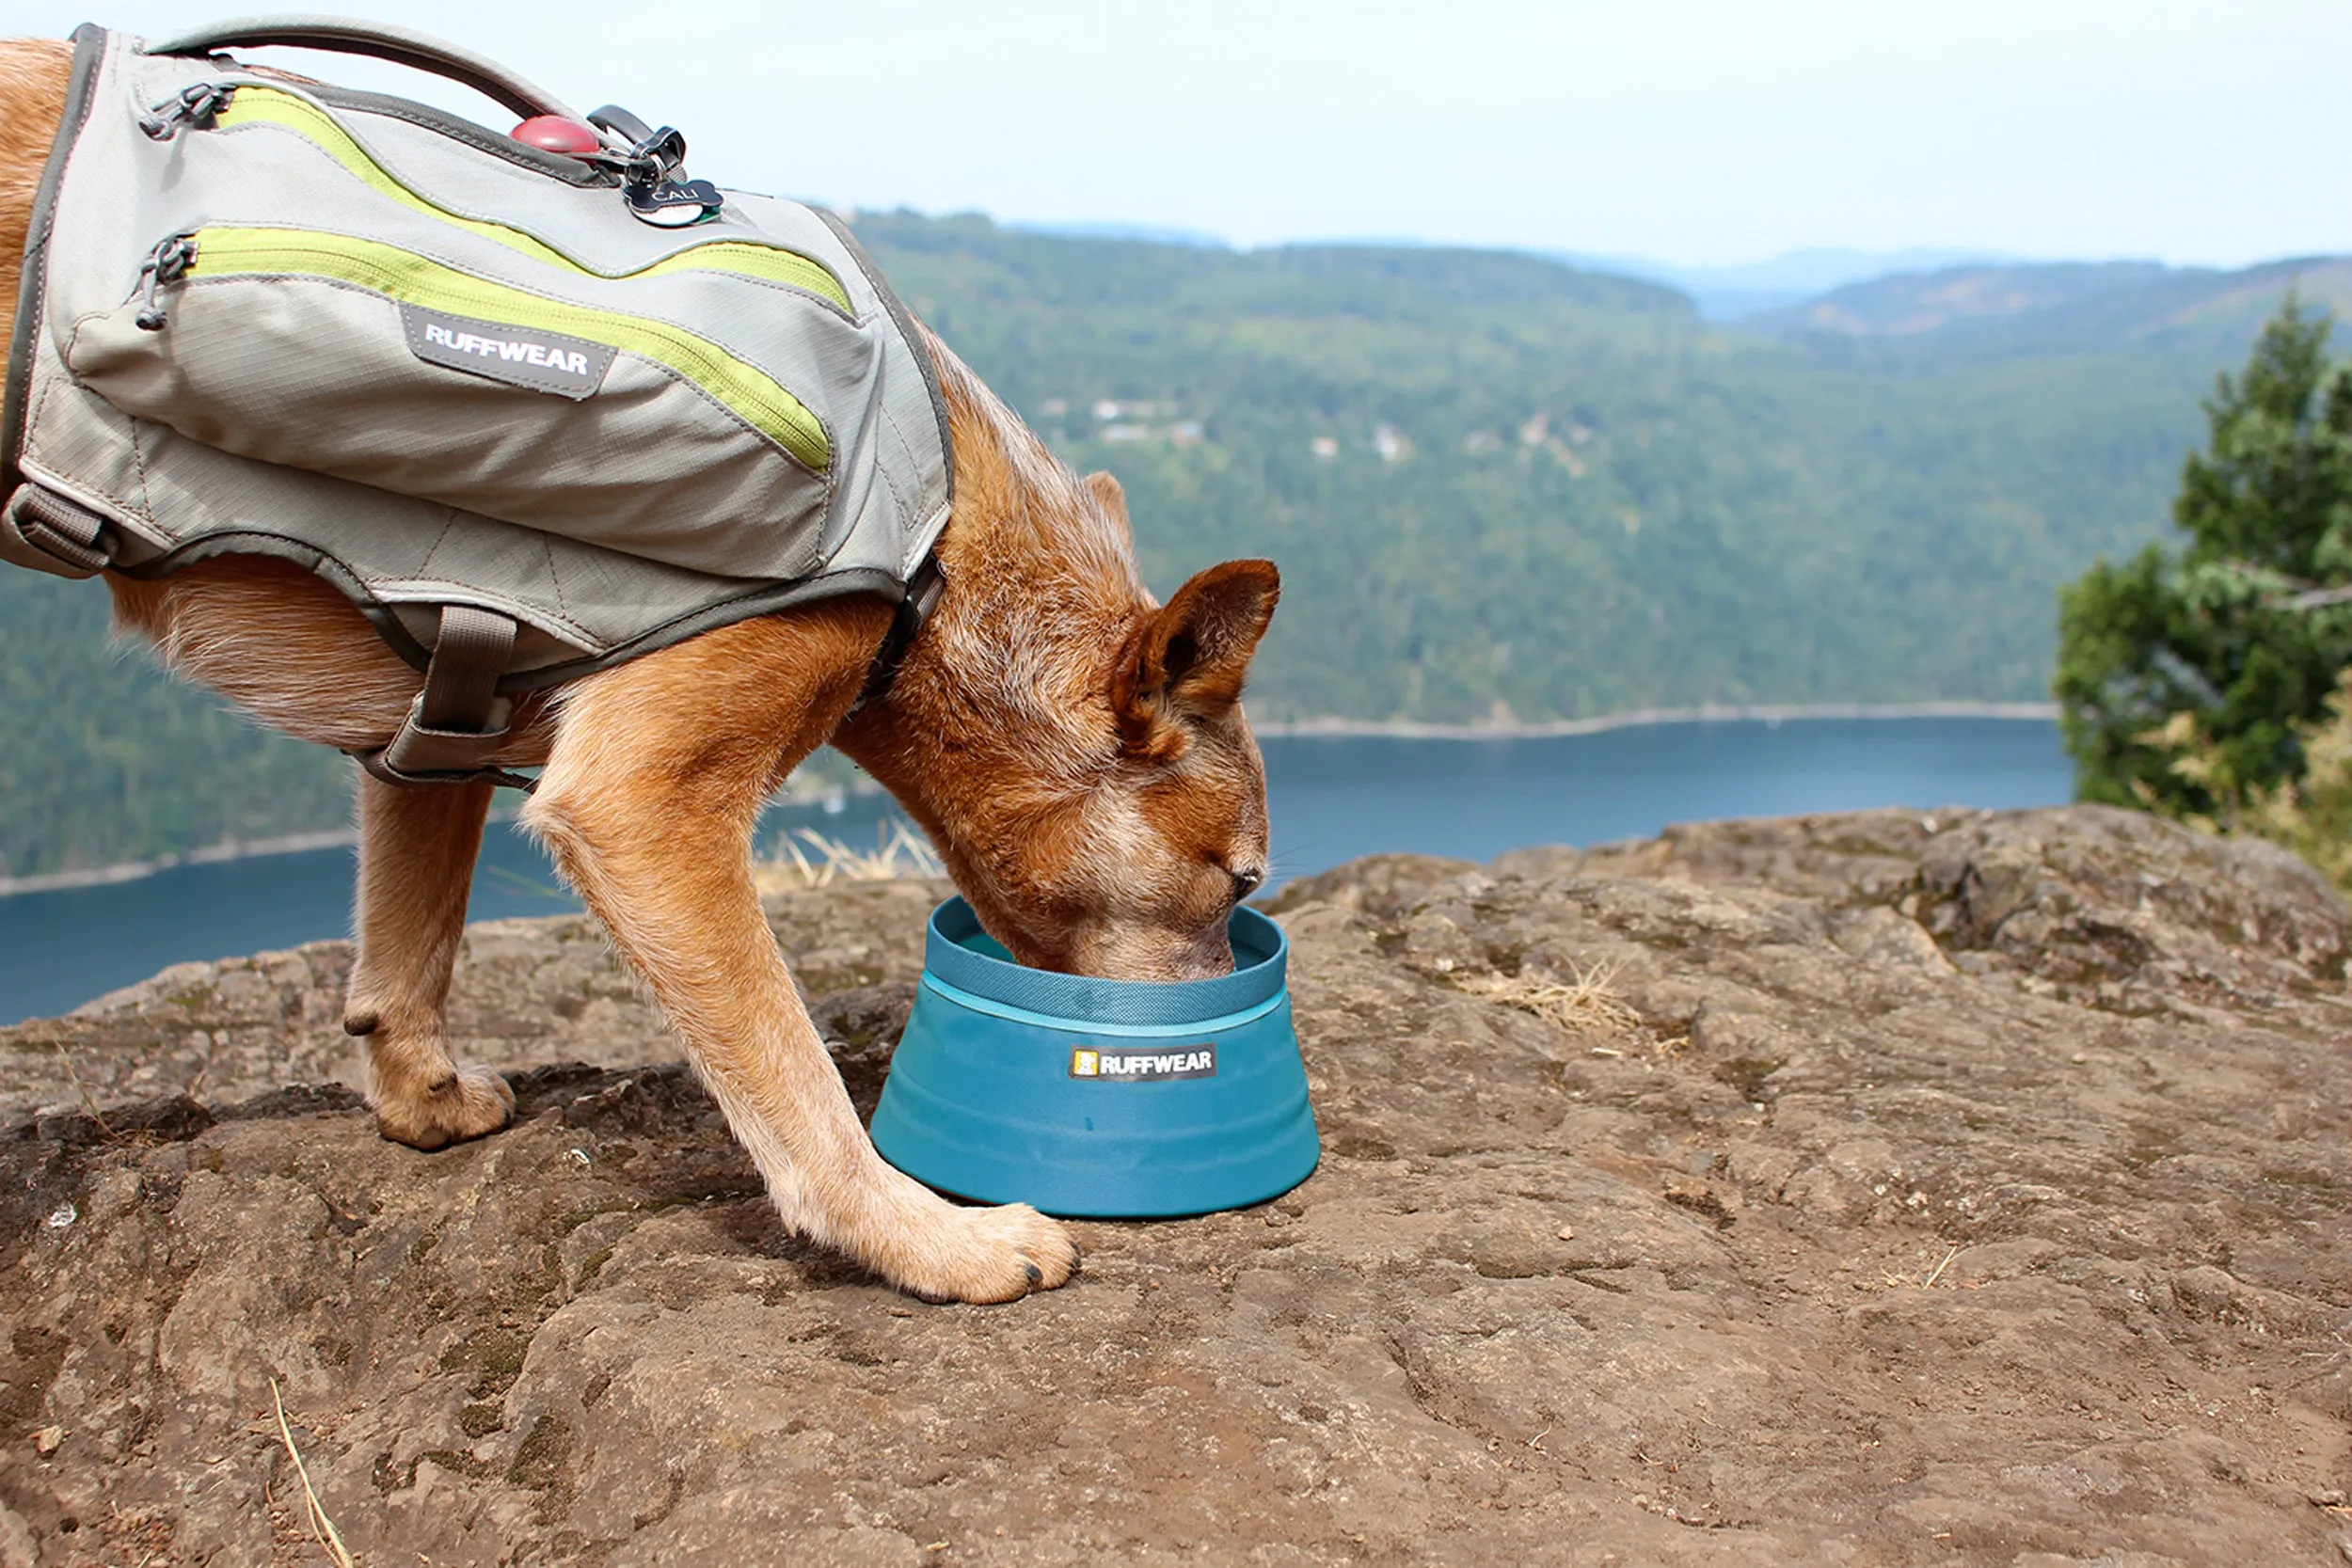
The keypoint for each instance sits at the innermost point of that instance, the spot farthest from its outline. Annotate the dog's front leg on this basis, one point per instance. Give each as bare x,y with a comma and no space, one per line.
417,851
659,771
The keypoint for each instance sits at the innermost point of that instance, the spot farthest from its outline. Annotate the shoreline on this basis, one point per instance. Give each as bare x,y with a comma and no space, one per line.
132,871
1400,729
1774,713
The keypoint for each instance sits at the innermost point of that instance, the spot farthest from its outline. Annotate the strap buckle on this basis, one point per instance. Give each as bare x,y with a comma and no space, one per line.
48,532
922,598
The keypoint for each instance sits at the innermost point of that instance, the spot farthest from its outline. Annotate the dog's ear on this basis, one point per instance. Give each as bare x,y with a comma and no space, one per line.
1111,498
1185,661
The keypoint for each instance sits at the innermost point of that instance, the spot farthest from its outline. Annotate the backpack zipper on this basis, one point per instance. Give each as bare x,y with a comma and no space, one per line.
167,264
404,276
251,104
192,106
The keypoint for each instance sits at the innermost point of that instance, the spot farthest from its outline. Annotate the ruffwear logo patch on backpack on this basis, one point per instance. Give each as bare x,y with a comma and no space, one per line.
519,356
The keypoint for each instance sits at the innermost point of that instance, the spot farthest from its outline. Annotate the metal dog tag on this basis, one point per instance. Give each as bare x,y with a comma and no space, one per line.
673,204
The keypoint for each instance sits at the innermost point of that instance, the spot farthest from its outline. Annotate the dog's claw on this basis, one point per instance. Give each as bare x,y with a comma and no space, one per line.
467,1103
983,1255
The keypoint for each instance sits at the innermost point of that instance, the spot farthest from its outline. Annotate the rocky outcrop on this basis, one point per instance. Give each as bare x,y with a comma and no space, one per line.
1871,1189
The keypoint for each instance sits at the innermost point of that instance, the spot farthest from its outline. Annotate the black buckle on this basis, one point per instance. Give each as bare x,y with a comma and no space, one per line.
922,598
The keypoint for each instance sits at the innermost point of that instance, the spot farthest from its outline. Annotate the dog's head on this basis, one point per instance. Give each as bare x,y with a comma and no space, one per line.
1130,864
1077,750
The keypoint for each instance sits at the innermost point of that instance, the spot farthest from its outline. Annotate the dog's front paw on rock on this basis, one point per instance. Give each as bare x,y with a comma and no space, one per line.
467,1103
990,1255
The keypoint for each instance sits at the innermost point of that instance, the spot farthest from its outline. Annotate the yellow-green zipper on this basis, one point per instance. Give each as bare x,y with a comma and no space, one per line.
259,106
414,280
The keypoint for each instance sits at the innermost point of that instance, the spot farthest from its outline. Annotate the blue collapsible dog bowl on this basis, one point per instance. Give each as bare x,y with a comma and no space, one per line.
1093,1097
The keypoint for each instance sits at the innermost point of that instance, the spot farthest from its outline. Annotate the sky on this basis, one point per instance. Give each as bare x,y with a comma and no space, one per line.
1696,132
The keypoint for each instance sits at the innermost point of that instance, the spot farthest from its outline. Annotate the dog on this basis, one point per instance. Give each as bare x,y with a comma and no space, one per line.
1075,751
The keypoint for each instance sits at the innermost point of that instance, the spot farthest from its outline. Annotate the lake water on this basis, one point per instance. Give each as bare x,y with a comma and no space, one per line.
1331,799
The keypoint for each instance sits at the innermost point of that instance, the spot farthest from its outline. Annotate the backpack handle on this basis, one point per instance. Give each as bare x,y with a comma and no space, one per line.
397,44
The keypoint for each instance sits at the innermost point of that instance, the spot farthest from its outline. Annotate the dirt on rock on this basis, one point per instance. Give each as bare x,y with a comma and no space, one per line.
1870,1189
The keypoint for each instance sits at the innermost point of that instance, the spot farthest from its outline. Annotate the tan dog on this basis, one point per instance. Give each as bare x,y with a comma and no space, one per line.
1076,753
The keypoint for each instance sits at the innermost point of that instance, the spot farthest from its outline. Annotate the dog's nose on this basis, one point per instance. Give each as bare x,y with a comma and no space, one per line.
1247,882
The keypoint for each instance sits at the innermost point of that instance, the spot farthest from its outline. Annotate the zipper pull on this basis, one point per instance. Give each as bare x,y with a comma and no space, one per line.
168,262
195,105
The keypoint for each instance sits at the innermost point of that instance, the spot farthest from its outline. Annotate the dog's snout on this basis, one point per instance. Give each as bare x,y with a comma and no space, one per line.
1246,880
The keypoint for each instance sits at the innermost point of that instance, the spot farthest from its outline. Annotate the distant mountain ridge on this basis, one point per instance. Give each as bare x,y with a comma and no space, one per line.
1736,290
1845,292
2046,307
1145,233
1722,291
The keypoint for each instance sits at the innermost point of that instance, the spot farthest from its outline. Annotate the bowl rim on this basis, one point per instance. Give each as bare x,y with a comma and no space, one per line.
1083,999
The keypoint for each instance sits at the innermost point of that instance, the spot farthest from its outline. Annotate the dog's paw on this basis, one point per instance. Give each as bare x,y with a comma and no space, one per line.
467,1103
987,1255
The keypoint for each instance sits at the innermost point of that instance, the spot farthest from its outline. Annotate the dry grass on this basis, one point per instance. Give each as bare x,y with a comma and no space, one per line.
88,1103
1895,1279
1586,1004
321,1529
812,860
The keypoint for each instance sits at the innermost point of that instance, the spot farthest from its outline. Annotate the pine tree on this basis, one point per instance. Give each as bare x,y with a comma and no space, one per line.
2246,631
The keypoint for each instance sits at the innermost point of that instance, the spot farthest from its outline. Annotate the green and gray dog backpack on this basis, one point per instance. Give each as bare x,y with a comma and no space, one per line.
536,412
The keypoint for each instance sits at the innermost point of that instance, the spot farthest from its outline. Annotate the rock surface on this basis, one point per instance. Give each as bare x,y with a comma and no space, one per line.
1866,1189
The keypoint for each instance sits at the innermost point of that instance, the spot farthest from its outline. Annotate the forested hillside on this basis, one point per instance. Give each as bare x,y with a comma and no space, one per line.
102,758
1495,480
1497,487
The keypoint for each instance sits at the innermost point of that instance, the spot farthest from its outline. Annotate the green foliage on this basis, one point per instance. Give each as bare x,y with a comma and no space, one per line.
2310,815
2239,636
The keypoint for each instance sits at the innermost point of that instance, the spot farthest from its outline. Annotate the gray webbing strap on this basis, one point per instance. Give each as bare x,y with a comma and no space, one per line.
458,723
462,681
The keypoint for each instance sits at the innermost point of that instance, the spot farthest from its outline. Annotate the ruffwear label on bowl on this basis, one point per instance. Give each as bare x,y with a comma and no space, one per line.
1145,1066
